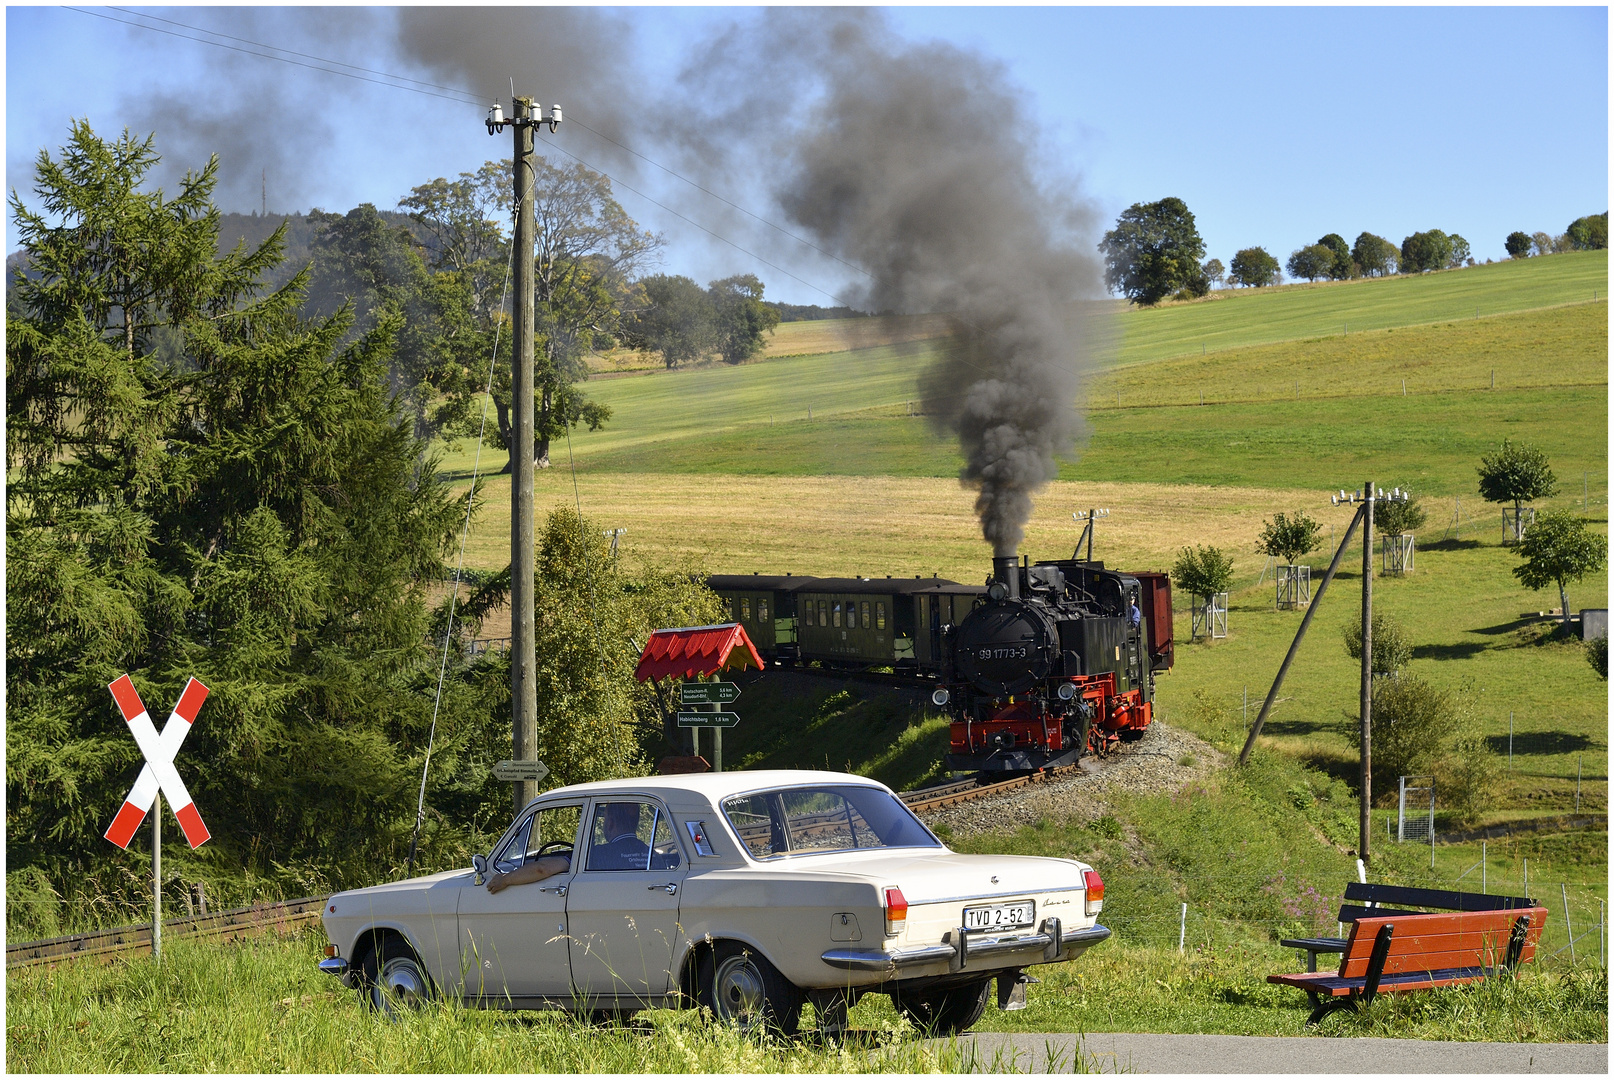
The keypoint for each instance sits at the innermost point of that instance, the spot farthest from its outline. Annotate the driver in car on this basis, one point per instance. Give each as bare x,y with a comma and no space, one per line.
622,849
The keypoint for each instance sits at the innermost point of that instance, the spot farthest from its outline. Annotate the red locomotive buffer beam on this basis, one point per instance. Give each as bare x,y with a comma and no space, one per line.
1026,723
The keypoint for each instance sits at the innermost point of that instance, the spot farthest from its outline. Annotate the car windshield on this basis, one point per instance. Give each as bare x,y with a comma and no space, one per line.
809,820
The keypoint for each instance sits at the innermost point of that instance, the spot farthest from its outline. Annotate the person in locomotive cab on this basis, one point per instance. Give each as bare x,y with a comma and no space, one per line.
1134,617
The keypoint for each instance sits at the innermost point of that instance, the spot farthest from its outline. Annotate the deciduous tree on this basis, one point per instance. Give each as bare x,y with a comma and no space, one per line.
676,319
1254,267
1517,475
1289,537
1154,252
1558,549
1214,271
1518,245
1312,262
740,317
1343,266
1202,571
1589,233
1374,255
1425,251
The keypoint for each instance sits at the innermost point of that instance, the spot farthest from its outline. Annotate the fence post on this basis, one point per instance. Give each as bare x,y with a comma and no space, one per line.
1578,759
1182,929
1527,878
1510,742
1563,890
1483,868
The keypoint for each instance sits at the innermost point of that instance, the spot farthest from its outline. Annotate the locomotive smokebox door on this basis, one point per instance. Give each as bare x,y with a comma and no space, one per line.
1005,649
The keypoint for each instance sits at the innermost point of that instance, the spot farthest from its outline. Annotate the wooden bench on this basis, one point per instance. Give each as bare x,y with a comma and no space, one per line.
1393,949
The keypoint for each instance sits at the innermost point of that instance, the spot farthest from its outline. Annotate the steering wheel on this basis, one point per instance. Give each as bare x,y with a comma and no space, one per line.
555,847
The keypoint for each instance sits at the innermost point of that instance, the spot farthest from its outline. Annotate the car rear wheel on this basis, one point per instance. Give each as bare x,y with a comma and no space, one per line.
741,987
394,981
945,1012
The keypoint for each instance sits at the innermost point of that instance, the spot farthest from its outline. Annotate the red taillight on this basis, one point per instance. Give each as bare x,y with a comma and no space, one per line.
896,911
1095,892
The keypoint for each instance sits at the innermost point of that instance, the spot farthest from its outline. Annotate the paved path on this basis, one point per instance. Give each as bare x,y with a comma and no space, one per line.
996,1052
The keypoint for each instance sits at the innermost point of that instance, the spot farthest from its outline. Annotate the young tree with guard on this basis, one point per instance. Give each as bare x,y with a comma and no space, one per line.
1558,549
1517,475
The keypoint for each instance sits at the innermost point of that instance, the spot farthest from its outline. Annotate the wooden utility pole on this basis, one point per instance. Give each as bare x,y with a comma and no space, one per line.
1365,813
523,658
525,119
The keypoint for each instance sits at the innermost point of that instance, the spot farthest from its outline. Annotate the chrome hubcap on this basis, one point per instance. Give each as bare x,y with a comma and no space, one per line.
401,985
739,990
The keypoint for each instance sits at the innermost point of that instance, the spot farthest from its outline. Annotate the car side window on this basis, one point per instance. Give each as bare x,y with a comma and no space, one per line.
759,822
621,835
513,854
554,831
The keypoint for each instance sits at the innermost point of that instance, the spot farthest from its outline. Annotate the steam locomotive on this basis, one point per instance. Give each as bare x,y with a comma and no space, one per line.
1036,669
1058,661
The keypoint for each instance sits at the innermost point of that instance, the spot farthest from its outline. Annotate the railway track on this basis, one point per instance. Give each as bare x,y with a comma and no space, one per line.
230,925
286,915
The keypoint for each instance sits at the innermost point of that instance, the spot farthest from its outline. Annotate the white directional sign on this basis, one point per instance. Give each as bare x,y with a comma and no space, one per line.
159,771
520,770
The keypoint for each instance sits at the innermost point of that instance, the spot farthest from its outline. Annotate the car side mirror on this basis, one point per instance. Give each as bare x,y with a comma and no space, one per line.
479,863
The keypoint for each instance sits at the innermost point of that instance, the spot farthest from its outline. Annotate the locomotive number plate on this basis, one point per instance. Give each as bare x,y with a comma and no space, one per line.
1001,916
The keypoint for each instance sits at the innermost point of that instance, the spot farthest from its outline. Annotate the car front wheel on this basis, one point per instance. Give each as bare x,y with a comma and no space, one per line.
394,981
945,1012
741,987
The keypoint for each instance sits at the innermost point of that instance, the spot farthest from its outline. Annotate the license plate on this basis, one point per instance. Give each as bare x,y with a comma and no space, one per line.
1000,916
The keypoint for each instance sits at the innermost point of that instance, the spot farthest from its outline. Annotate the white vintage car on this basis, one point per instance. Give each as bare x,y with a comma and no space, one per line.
747,892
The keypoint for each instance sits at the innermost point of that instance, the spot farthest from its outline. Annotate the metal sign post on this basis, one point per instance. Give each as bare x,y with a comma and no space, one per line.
157,777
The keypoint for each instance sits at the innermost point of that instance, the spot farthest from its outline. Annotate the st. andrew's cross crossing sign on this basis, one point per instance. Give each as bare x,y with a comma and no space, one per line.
159,771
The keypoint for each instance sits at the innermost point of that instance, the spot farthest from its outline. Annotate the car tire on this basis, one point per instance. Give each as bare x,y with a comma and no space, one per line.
741,987
945,1012
395,983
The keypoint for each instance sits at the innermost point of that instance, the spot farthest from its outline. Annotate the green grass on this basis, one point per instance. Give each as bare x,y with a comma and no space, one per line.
260,1006
1239,318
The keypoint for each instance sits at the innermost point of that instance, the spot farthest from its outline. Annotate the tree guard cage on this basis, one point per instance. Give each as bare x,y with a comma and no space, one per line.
1514,521
1293,586
1415,809
1398,552
1209,618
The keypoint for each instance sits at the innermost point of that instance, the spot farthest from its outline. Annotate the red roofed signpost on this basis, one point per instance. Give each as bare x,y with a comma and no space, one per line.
158,773
690,652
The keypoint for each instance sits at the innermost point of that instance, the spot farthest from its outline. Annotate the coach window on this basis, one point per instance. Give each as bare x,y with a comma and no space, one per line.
851,614
762,611
823,613
745,608
835,613
879,614
865,606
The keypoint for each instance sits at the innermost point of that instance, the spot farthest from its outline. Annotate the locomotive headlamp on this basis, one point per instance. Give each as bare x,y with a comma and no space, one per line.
997,590
940,696
1066,691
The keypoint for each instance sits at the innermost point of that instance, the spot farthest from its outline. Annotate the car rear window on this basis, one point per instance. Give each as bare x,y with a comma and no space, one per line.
809,820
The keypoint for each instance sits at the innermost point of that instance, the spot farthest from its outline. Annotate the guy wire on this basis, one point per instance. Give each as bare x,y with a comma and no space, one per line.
448,631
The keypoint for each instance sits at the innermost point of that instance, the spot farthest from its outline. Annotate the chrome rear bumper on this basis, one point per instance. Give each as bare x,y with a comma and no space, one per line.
960,949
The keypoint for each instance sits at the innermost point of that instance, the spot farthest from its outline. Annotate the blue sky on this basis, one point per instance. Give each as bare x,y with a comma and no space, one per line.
1274,125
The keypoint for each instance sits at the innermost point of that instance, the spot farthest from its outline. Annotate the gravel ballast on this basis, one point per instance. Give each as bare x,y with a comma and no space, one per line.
1150,766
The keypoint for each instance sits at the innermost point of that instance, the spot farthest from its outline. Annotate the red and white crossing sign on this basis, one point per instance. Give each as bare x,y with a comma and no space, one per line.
159,771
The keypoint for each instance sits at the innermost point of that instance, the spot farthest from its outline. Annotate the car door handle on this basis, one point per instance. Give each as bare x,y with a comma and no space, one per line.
558,890
671,888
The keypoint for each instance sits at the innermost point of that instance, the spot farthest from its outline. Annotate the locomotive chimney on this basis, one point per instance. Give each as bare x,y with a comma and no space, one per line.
1006,568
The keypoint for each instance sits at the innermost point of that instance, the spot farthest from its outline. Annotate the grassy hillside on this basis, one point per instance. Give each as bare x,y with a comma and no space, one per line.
1309,414
1238,318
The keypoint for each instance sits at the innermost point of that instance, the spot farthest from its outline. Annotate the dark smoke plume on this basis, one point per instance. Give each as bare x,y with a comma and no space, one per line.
917,164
